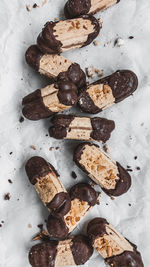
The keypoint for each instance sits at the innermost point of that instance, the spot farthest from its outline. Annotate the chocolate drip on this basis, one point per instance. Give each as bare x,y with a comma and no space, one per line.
75,8
102,128
81,249
60,204
126,259
43,254
84,192
96,228
33,56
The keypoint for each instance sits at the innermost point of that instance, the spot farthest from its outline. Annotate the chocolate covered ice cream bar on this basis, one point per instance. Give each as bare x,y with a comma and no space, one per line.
49,100
73,251
81,128
83,198
108,91
75,8
110,175
55,66
61,36
45,179
112,246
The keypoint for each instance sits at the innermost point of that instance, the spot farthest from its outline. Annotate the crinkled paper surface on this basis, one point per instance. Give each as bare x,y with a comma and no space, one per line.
19,29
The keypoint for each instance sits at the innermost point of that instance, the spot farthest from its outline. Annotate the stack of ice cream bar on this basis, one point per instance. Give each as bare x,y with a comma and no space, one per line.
68,88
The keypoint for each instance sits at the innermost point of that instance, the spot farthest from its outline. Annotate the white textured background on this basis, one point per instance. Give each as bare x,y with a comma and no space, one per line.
18,30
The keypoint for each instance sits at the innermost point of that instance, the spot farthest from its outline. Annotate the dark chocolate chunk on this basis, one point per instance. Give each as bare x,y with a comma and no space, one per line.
84,192
96,228
37,167
57,227
126,259
81,249
67,93
76,8
123,83
7,196
33,56
61,204
102,128
73,174
43,254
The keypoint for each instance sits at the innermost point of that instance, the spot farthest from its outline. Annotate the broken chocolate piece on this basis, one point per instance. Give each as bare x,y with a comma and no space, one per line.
83,198
73,251
110,175
108,91
81,128
112,246
47,184
61,36
75,8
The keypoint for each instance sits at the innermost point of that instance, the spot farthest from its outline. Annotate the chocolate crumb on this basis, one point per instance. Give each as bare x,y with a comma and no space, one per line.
21,119
112,198
10,181
2,221
138,168
129,204
10,153
0,225
96,43
33,147
129,170
106,204
131,37
74,176
129,167
57,147
135,157
46,135
7,196
40,226
51,148
35,5
28,8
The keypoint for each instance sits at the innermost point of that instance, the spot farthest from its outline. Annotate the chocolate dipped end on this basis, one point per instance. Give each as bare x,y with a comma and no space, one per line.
60,124
33,56
34,108
46,40
123,184
86,104
96,228
60,204
84,192
37,167
56,226
43,254
102,129
97,28
67,93
81,249
74,74
127,258
76,8
123,83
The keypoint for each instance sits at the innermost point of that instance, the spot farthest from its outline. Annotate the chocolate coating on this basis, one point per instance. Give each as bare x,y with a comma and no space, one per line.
81,249
48,43
122,82
75,8
61,204
37,167
86,104
44,254
67,93
102,128
84,192
57,227
60,124
74,74
34,108
46,40
126,259
96,228
33,56
122,185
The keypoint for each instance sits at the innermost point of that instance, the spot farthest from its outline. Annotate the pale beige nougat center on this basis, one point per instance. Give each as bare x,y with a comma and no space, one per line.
73,33
50,99
101,95
100,167
80,129
52,65
64,255
78,210
48,186
97,5
112,243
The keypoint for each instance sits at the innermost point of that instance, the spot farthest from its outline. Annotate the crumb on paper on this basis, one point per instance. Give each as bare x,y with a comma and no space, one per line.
46,135
57,147
135,157
129,170
21,119
51,148
112,198
44,2
10,181
90,72
28,8
138,168
40,226
33,147
35,5
43,235
96,43
106,149
10,153
131,37
73,174
119,42
29,225
0,225
7,196
129,204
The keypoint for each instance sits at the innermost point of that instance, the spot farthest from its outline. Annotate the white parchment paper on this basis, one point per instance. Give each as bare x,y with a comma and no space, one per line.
19,29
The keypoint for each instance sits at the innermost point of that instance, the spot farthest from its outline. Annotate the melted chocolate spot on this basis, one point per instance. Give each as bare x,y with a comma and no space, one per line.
127,258
33,56
57,227
76,8
96,228
81,249
102,128
61,204
43,254
84,192
37,167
